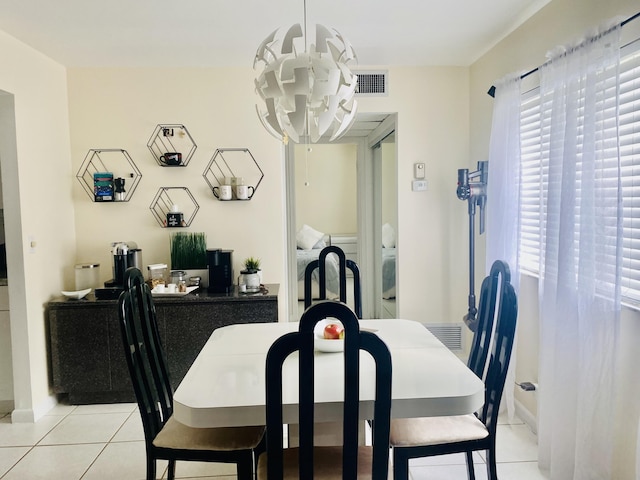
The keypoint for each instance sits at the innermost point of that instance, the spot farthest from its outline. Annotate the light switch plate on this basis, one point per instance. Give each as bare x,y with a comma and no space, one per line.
419,185
418,170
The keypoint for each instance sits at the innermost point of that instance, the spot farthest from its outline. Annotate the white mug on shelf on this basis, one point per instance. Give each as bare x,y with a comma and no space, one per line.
223,192
244,192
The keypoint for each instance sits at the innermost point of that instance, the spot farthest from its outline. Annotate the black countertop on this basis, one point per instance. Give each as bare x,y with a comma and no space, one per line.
201,295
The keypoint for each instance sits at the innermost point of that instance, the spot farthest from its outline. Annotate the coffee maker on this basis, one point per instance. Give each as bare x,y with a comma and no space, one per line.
125,255
220,266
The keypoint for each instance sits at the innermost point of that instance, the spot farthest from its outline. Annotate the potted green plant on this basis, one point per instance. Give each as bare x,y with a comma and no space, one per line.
251,273
189,253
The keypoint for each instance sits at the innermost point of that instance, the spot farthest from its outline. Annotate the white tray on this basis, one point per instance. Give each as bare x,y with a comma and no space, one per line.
174,294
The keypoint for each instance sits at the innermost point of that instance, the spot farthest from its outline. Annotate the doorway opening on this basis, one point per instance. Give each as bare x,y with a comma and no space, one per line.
343,197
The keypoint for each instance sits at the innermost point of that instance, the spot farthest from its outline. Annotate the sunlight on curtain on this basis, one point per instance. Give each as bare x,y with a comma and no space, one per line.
581,254
503,192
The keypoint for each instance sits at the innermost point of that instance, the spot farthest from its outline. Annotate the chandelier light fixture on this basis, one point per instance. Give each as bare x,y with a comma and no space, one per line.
307,92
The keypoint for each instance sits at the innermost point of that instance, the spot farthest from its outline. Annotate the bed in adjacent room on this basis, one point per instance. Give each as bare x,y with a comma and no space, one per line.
310,243
389,273
388,262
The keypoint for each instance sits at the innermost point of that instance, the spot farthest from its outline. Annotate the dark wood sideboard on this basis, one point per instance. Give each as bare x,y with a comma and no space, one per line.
87,361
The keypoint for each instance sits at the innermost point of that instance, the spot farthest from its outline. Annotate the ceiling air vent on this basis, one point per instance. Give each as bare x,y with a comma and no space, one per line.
372,84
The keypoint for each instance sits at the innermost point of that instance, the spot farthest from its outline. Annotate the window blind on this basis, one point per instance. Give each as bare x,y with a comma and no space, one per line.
535,141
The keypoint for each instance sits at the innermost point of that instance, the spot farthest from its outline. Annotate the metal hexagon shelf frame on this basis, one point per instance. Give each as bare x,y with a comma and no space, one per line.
244,165
163,201
96,161
165,139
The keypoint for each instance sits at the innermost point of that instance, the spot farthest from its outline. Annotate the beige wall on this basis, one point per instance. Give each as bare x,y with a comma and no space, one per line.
433,119
560,22
329,202
119,108
36,178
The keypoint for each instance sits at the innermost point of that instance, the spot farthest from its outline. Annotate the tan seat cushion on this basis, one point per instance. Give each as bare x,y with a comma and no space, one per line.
327,463
176,435
436,430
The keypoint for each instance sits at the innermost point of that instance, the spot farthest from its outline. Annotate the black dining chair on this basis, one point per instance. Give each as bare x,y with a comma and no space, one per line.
165,437
343,264
490,290
430,436
348,460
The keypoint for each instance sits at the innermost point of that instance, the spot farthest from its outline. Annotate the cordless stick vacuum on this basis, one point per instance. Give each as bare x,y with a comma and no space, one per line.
472,187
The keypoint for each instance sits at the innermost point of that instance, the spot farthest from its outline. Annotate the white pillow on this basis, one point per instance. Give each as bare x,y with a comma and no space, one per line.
307,237
388,236
321,243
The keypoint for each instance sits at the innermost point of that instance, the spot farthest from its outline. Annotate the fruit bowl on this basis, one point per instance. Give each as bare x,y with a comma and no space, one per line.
325,344
329,345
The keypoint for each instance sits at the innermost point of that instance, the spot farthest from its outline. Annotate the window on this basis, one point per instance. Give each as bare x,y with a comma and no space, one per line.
534,139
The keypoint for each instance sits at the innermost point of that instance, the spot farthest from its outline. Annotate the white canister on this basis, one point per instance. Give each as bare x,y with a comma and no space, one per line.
87,275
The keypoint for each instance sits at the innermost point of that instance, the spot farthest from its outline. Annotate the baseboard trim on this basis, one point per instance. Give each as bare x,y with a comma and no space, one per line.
526,416
32,415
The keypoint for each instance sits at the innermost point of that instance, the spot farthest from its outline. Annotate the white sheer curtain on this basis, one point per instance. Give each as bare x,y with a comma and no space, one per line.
503,185
503,193
581,217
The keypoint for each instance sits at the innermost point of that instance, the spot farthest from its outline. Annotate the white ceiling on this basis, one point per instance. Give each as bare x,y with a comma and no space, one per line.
129,33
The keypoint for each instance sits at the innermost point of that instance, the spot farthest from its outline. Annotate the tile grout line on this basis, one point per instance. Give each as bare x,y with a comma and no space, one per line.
17,461
94,461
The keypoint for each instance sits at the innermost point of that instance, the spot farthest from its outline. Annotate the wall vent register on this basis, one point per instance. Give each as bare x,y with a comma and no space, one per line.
372,84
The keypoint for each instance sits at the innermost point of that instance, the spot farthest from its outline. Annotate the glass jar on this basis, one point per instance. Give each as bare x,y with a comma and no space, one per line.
177,276
158,274
87,275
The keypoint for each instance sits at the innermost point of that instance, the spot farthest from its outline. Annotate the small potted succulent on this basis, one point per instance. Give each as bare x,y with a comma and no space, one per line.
251,273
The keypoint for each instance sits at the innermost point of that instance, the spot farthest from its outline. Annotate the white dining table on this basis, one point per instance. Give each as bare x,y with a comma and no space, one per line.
225,386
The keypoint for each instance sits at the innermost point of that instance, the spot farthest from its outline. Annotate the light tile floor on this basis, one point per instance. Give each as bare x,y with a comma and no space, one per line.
105,442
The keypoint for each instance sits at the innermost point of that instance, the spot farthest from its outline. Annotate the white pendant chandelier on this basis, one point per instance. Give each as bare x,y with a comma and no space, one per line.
307,92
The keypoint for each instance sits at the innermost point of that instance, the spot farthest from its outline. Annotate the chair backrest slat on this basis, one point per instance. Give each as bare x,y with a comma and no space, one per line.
490,290
343,265
144,353
501,348
302,341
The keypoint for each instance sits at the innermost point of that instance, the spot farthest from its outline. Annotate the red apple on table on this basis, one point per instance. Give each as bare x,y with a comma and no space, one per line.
333,331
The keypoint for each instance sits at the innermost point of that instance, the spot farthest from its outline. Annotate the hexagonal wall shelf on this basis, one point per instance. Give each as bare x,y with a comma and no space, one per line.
171,138
233,166
163,209
109,175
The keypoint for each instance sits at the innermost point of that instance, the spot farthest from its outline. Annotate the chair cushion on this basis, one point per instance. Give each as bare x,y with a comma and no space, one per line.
327,463
176,435
436,430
